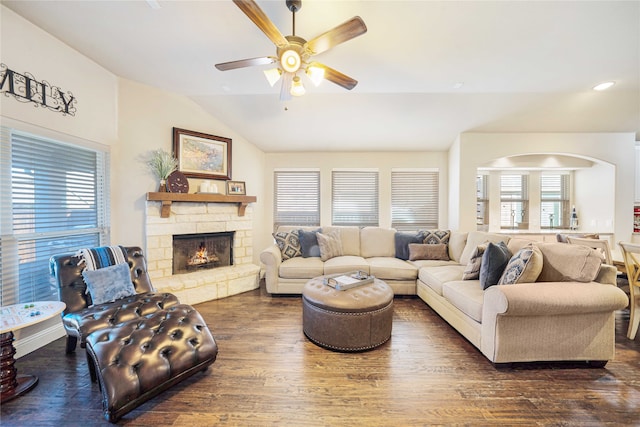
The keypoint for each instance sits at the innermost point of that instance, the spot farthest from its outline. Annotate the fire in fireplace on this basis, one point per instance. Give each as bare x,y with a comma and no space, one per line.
193,252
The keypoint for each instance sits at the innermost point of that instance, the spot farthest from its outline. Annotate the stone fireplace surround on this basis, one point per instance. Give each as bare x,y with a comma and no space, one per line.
191,218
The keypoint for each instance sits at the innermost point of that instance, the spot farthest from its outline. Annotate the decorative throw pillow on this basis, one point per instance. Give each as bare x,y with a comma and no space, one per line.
402,241
435,237
109,283
309,243
523,267
330,245
289,243
494,261
419,251
472,270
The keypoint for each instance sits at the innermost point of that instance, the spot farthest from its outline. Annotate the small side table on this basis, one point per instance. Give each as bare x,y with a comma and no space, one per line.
13,318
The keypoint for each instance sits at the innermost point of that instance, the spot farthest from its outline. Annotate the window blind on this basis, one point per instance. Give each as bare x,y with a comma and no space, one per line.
354,198
54,200
482,200
414,199
554,200
514,201
297,198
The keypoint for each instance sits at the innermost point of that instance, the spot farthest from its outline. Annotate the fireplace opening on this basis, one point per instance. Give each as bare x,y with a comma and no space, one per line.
194,252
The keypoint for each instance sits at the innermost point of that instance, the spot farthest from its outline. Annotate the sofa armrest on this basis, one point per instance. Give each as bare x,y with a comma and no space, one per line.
271,257
552,298
608,275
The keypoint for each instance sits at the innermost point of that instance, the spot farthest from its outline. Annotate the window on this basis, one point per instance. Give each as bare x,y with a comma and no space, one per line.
296,198
52,201
554,201
414,199
514,201
354,197
482,200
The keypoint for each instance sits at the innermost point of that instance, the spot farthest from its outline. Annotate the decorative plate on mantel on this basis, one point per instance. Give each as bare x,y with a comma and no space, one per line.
177,182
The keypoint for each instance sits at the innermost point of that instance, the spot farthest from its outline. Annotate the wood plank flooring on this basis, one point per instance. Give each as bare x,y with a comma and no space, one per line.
269,374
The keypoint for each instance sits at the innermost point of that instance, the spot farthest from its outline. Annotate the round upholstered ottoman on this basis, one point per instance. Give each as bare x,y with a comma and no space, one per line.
356,319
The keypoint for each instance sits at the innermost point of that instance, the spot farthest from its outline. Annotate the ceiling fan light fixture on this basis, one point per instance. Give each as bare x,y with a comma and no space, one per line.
315,74
273,75
297,89
290,60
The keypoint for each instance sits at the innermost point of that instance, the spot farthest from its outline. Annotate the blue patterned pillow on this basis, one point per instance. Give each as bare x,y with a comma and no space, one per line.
436,237
109,283
289,244
523,267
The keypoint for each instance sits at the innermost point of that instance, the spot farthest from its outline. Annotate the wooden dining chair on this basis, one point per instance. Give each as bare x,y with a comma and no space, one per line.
631,255
600,245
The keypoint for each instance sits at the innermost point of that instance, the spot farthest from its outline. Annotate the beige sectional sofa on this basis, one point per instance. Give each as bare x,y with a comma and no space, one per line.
569,316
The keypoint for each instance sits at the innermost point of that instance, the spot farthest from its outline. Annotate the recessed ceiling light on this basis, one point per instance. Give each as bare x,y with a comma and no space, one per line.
604,86
153,4
458,85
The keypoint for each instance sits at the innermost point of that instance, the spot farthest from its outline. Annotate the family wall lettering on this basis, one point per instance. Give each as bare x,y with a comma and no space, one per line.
24,87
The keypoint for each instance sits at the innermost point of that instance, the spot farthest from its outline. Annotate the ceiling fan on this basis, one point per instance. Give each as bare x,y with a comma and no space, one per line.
293,53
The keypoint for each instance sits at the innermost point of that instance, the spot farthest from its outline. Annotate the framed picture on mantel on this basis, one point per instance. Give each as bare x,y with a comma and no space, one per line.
201,155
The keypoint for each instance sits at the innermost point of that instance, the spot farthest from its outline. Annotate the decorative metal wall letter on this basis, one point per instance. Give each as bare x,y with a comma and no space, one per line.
25,88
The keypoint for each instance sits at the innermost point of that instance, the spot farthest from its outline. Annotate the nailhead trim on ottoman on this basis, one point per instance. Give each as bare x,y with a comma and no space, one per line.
136,360
356,319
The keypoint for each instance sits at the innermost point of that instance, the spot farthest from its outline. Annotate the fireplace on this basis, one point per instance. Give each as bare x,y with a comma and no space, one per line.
202,251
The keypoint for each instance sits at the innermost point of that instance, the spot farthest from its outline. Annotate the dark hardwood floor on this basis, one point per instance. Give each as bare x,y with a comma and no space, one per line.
268,373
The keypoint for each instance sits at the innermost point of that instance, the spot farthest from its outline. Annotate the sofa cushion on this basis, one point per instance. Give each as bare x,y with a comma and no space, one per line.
345,264
309,243
467,296
402,241
434,237
419,251
565,263
330,245
457,243
288,242
377,242
436,277
301,268
523,267
472,270
349,236
476,238
494,260
108,284
391,268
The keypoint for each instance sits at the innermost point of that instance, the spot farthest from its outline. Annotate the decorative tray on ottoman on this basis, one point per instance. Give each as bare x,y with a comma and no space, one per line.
344,281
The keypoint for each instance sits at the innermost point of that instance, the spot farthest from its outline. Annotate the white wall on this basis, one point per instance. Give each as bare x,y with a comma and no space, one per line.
147,116
615,148
26,48
383,161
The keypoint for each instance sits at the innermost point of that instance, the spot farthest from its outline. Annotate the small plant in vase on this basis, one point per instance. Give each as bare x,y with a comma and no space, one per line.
162,164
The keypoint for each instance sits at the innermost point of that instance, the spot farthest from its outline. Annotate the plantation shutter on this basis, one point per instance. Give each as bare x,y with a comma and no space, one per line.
54,200
354,197
514,201
554,200
414,199
297,198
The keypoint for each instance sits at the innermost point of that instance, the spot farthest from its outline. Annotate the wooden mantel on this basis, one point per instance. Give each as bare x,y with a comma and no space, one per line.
168,198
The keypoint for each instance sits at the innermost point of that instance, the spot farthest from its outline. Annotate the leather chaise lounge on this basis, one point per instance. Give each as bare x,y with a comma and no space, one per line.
137,346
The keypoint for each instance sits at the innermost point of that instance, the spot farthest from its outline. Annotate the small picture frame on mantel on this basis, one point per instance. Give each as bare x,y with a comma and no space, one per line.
236,188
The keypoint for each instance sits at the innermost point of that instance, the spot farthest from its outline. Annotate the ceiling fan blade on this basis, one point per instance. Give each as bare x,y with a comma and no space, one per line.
340,34
285,90
264,60
262,21
335,76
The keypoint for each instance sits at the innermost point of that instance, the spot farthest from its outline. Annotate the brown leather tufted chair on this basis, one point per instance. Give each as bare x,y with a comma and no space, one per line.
80,318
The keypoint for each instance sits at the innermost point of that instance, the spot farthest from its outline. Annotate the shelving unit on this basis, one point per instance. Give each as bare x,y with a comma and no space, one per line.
168,198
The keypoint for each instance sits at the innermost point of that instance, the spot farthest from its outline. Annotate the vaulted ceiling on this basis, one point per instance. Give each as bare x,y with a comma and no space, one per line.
427,70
